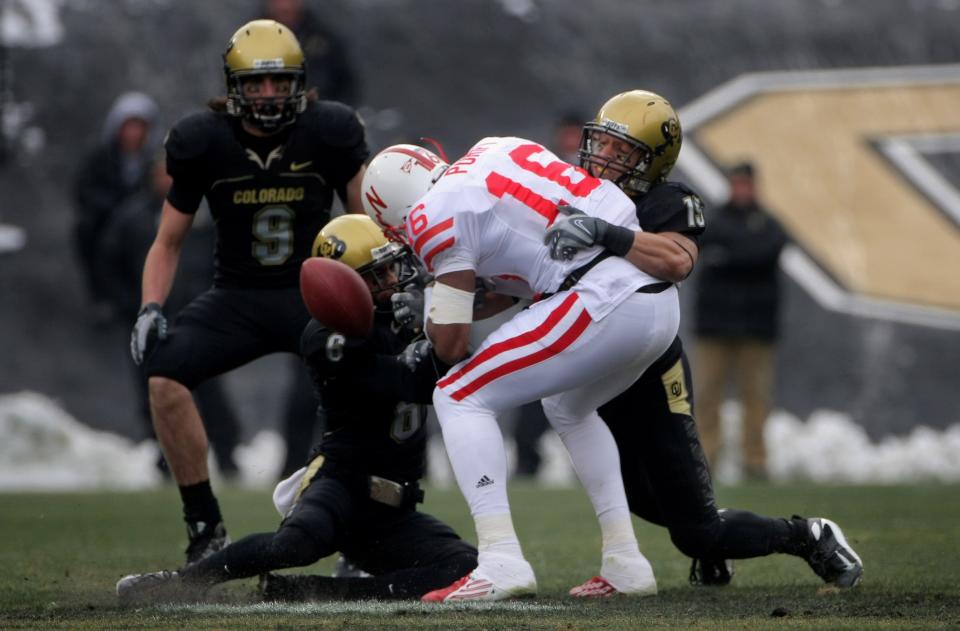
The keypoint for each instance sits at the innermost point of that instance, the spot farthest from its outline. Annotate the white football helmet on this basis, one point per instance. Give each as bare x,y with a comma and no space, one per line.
395,179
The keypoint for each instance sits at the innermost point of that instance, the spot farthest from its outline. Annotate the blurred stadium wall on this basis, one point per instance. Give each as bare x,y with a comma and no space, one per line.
881,347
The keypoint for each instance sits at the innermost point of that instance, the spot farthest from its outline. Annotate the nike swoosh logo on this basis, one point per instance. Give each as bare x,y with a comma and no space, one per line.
297,166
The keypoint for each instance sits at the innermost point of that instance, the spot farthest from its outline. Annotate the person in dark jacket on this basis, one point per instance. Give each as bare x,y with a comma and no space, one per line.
736,316
113,172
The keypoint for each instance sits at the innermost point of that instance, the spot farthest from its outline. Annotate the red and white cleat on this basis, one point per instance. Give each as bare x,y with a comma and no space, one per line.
497,578
596,587
630,575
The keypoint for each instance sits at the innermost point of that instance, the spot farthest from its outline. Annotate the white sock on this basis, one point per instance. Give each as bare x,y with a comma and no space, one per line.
596,460
495,533
475,448
618,536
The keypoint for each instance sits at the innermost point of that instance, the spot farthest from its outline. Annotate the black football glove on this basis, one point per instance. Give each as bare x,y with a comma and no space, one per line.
150,329
577,231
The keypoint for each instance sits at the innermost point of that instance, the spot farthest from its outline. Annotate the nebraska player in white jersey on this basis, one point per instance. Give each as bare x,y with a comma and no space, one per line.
599,324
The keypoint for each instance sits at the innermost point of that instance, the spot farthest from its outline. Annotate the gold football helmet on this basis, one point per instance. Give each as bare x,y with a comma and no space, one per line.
258,48
356,240
650,137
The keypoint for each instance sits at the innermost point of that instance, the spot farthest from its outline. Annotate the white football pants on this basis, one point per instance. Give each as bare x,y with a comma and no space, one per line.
556,353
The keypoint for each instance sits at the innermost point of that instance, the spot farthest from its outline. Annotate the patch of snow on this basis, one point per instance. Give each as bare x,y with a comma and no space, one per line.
44,448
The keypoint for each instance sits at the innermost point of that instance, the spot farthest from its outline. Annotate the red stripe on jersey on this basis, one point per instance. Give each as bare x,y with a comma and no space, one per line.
500,186
558,346
510,277
421,159
422,239
554,171
428,259
514,342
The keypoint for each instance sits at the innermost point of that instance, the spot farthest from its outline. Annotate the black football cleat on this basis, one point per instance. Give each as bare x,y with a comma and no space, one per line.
711,572
205,539
829,554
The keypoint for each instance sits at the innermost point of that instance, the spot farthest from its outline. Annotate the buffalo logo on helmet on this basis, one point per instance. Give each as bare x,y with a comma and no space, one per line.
332,248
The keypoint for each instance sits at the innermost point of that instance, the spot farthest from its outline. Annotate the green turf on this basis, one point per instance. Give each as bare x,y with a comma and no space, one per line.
60,556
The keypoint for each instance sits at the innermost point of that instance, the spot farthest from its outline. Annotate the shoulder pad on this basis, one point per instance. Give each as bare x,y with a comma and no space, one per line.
194,134
667,192
335,124
671,207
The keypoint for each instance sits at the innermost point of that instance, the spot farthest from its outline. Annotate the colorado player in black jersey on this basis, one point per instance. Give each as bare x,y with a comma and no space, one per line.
358,492
268,159
635,140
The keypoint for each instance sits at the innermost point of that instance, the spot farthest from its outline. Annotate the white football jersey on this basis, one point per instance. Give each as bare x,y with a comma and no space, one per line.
489,213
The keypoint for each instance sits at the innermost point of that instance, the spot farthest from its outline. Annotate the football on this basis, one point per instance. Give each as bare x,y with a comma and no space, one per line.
336,296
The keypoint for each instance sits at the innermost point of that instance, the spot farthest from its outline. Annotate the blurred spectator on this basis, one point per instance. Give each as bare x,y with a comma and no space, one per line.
530,422
116,169
126,238
567,132
328,63
736,317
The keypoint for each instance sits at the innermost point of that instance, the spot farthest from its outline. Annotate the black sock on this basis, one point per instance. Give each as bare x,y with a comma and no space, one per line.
199,504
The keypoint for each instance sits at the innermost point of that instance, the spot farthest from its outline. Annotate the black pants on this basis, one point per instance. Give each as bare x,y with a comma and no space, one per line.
665,472
408,552
222,329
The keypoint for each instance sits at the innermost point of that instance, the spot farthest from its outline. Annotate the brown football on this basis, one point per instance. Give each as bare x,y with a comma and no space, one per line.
336,296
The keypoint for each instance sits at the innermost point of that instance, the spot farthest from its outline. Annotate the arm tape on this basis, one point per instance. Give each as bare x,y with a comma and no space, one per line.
449,305
618,239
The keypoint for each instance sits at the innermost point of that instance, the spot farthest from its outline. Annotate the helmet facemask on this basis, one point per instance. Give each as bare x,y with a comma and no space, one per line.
632,179
641,126
393,269
258,50
272,113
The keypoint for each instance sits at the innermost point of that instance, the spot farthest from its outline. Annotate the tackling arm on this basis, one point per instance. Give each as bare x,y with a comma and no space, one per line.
666,255
161,265
447,327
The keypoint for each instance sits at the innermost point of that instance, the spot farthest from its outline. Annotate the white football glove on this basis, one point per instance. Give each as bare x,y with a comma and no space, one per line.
150,329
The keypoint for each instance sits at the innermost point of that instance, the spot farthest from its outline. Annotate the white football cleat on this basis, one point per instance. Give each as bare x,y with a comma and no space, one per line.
630,575
497,577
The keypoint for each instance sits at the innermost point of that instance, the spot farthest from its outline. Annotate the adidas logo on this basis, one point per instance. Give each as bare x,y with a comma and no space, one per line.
484,481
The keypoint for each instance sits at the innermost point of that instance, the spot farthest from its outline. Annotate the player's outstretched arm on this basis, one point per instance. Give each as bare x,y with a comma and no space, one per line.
669,256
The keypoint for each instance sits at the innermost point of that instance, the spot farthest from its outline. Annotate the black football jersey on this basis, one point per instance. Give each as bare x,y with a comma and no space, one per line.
269,197
375,414
671,207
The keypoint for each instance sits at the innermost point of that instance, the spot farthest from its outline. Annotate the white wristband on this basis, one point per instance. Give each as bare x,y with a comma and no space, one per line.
449,305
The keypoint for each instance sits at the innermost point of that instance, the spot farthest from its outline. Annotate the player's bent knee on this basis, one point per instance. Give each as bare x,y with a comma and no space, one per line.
696,542
292,547
165,391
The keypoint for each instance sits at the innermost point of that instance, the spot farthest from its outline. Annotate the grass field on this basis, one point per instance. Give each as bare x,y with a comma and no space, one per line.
60,556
